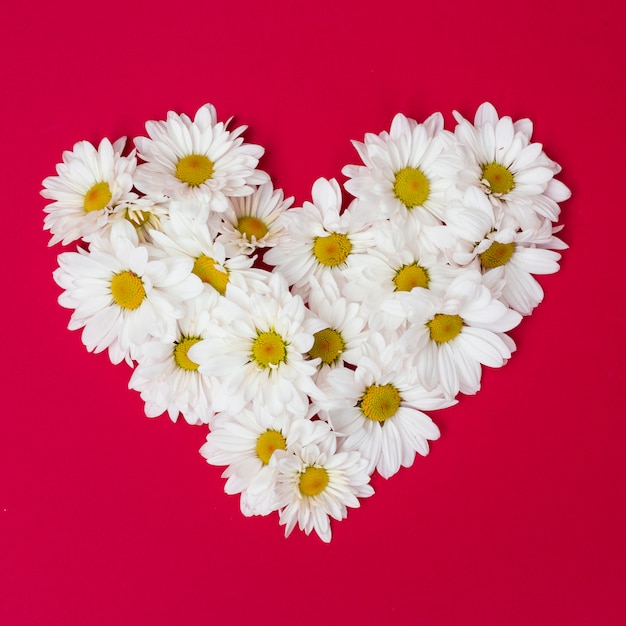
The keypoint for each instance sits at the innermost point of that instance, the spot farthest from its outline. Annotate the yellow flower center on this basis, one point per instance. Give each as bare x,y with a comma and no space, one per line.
410,276
380,402
269,349
444,328
332,250
313,481
127,290
499,178
267,443
411,187
138,218
98,196
206,269
194,169
327,345
181,348
252,227
496,254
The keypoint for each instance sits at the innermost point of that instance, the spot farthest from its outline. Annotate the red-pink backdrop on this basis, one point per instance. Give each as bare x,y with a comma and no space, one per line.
517,517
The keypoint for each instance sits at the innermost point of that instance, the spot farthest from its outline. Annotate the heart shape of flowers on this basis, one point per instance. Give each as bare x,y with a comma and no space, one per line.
310,340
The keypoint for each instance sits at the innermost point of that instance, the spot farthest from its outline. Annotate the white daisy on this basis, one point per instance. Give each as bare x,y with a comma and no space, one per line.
345,324
122,297
406,171
198,160
378,408
514,173
507,256
246,441
262,354
145,213
320,238
167,378
91,182
453,333
185,238
403,259
315,482
251,222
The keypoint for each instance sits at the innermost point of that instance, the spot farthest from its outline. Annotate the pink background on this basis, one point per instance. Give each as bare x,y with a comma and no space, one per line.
517,517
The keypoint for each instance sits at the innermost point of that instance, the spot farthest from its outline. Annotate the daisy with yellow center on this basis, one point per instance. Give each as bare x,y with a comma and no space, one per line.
247,443
134,218
320,239
198,160
378,408
262,354
515,174
406,172
344,331
507,255
184,238
91,183
316,483
122,296
452,334
168,378
251,222
510,268
403,259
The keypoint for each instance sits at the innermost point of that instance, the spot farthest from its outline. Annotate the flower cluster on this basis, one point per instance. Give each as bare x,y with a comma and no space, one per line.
312,341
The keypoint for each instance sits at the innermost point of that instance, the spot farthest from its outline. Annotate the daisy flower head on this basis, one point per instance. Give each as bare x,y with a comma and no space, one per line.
514,173
190,239
146,213
89,184
345,323
506,255
316,483
509,265
246,441
320,238
402,259
377,408
140,215
121,296
165,376
198,160
261,354
406,172
452,334
251,222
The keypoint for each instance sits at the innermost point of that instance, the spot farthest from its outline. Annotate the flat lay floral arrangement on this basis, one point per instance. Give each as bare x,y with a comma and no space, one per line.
314,342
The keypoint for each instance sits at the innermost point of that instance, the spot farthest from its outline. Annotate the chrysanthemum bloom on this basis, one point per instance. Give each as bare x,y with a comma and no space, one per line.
246,441
320,238
378,408
514,173
506,255
122,297
167,378
406,172
90,183
403,259
261,355
144,214
315,482
198,160
251,222
185,238
345,332
452,334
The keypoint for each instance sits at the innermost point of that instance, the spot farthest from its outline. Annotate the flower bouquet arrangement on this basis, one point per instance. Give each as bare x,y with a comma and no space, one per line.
314,341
